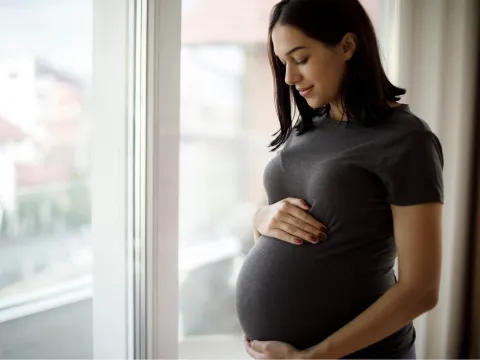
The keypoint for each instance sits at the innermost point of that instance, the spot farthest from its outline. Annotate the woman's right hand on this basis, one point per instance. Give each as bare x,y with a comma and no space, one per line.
288,220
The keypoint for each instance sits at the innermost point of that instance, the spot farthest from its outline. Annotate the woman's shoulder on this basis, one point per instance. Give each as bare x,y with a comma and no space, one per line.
404,131
403,121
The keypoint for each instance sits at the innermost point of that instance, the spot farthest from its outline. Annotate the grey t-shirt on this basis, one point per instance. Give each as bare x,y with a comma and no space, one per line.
350,175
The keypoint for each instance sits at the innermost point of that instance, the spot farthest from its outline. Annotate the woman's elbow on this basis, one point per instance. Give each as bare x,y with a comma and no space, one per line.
422,298
429,300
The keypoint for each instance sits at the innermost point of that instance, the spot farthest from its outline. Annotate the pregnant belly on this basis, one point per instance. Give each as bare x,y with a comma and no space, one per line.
300,294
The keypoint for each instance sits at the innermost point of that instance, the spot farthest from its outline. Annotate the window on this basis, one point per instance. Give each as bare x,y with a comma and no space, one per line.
45,217
56,212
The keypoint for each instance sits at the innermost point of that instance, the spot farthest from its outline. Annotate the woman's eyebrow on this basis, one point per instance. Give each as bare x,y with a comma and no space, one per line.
294,49
291,51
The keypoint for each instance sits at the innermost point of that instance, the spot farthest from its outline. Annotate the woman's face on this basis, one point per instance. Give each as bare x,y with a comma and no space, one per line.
314,69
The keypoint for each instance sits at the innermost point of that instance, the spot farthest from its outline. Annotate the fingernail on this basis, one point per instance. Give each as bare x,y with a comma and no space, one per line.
315,241
298,241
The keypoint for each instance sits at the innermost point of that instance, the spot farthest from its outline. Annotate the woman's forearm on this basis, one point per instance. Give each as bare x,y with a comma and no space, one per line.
396,308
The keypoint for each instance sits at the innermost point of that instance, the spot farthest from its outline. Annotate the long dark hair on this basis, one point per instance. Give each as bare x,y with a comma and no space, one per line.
365,88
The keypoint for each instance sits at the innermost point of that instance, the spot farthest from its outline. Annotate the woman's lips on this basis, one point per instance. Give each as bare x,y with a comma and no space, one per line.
305,91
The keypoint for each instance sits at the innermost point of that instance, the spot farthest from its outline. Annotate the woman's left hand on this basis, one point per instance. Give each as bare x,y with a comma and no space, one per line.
271,350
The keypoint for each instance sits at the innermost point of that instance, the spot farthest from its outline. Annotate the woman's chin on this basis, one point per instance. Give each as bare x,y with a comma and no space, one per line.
315,103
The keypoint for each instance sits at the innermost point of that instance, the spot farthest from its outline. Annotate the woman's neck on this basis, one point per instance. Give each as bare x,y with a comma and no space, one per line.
337,111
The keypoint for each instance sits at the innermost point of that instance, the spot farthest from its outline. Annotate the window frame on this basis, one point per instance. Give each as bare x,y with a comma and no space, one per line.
162,144
112,178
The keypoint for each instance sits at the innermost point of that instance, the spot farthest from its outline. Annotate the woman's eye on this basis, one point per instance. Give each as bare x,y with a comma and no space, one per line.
304,61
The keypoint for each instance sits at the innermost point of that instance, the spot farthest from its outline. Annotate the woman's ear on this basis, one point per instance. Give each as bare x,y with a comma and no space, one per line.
349,45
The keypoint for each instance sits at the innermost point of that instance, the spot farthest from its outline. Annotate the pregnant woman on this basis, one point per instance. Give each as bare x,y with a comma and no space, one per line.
357,182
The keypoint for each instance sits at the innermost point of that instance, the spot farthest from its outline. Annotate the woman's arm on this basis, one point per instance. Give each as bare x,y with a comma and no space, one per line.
418,239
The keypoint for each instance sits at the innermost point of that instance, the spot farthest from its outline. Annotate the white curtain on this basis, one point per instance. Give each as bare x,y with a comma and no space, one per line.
436,53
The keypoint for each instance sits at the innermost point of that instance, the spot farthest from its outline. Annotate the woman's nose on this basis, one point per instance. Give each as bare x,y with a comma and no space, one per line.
291,75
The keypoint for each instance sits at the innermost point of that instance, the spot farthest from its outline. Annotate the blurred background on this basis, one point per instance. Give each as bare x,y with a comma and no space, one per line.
227,119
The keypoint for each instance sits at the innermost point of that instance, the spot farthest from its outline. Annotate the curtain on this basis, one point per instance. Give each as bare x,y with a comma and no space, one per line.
437,63
471,340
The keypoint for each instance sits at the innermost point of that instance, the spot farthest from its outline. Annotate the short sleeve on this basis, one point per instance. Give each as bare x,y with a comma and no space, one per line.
411,168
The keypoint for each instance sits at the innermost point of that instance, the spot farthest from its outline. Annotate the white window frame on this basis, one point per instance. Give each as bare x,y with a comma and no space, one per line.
136,97
112,177
163,49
